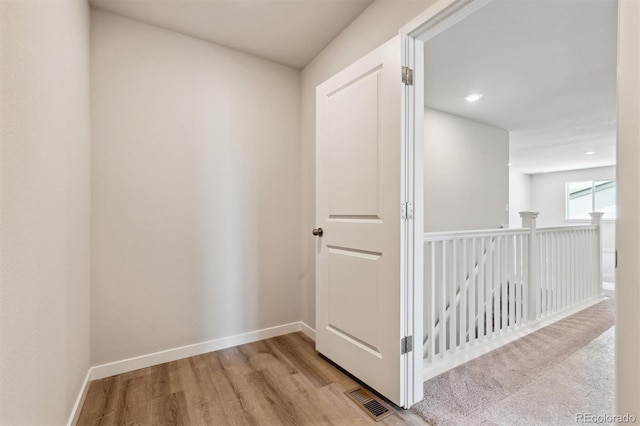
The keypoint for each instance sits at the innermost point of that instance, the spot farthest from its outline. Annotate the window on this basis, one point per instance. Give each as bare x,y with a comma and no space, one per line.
588,196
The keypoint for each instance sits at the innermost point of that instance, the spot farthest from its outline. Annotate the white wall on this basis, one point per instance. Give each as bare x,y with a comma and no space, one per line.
519,197
628,233
196,193
548,198
466,177
44,209
377,24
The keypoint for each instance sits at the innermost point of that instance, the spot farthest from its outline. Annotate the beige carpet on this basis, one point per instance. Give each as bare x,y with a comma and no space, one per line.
545,378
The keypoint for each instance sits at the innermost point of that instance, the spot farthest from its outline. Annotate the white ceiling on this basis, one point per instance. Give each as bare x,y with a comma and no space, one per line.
547,72
290,32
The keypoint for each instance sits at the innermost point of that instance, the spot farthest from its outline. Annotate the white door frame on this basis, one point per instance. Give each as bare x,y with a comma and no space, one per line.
435,19
431,22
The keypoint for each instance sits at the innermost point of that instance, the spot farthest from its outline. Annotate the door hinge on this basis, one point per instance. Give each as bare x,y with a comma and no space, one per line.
407,76
406,345
406,211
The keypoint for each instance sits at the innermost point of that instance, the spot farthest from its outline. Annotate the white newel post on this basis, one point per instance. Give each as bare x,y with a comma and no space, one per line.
529,221
596,219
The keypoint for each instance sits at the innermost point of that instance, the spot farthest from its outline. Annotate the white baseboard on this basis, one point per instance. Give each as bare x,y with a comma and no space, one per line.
77,407
308,330
143,361
431,370
135,363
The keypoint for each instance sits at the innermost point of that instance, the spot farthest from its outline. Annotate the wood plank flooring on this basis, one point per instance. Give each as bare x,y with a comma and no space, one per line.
278,381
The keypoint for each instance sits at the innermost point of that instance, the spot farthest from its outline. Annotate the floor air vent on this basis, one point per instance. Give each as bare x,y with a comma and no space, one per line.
370,404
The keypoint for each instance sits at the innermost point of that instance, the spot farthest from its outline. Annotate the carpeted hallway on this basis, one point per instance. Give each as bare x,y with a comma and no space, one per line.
545,378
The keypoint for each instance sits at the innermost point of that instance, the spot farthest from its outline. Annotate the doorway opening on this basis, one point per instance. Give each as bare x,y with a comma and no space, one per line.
518,102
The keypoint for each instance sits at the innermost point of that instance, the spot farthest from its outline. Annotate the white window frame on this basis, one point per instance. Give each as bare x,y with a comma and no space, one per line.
593,198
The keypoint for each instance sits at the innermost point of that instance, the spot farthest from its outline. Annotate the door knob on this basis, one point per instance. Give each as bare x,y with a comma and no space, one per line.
317,232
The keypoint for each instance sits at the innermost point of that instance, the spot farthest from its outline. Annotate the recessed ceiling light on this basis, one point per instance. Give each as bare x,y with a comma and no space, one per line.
473,97
509,164
590,152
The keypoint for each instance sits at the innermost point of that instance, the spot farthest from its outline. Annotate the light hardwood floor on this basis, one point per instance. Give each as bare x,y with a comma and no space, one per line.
278,381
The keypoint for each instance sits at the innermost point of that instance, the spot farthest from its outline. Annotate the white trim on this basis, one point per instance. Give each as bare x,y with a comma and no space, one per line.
567,228
143,361
415,94
135,363
466,355
77,407
408,367
452,235
412,98
310,332
612,220
441,16
436,18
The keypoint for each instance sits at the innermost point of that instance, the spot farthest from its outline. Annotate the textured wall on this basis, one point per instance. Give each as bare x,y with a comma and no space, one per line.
195,190
44,208
466,177
519,197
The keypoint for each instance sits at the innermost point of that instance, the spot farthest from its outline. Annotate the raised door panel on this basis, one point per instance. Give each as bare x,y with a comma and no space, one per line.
353,147
354,296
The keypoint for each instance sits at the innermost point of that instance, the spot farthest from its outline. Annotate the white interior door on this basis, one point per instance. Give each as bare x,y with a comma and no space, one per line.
358,206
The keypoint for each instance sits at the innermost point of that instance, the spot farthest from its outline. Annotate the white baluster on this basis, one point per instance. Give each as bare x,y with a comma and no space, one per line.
582,264
463,295
489,286
556,273
566,285
525,278
432,303
496,287
543,274
574,296
518,280
472,291
511,282
443,302
596,219
504,315
481,292
453,326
